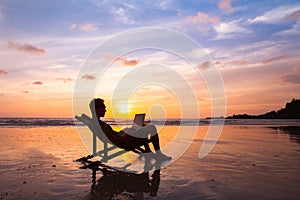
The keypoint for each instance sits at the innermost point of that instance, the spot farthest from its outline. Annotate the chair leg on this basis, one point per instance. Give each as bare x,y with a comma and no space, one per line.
137,150
147,147
143,150
105,153
94,144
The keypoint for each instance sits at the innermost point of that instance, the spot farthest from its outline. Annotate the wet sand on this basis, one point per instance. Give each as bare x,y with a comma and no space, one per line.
248,162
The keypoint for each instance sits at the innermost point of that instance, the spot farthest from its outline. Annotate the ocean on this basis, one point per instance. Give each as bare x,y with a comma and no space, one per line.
41,122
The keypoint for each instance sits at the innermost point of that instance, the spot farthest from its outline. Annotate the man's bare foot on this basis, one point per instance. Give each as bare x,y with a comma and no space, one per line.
161,156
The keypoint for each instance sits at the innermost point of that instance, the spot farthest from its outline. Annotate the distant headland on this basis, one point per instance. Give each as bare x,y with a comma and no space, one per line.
291,111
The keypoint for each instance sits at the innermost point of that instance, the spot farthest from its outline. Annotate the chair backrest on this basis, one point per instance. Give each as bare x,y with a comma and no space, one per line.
94,127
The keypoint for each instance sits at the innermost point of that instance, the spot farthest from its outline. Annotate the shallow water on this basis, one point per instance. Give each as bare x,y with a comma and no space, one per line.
248,162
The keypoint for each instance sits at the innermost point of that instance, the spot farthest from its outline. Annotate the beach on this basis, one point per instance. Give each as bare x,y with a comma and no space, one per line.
218,80
248,162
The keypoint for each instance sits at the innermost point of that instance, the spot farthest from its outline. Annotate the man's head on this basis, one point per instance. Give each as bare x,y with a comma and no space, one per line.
98,107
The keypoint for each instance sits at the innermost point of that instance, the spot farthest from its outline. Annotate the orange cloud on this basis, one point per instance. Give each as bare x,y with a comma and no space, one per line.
295,15
204,65
238,62
2,72
296,69
225,5
202,21
292,78
25,91
37,83
234,62
108,57
273,59
126,62
65,80
88,77
202,18
27,48
88,27
73,26
180,27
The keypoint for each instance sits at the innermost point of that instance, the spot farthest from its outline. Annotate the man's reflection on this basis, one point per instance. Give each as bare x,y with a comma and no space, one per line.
120,184
114,183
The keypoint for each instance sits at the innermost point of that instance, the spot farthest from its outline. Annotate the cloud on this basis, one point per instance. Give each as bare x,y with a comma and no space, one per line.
123,61
25,91
229,30
273,59
202,18
276,15
202,21
295,30
180,27
295,15
128,62
292,78
164,5
73,26
204,65
225,5
296,69
88,77
27,48
37,83
238,62
65,80
232,64
85,27
88,27
2,72
122,14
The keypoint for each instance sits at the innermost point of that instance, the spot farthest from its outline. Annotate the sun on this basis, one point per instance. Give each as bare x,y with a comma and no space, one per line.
123,108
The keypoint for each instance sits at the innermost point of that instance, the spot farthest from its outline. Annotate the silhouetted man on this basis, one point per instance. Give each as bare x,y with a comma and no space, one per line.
124,140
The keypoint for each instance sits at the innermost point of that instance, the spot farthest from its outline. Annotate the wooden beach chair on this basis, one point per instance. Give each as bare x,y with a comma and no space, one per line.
108,146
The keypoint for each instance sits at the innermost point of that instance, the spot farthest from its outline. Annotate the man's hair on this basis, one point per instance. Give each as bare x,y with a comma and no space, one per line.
96,103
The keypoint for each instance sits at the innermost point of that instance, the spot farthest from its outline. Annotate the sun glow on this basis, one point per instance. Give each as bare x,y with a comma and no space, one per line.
123,108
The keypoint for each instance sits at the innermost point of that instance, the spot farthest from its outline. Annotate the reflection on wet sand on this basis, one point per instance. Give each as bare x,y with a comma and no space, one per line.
119,184
248,162
293,131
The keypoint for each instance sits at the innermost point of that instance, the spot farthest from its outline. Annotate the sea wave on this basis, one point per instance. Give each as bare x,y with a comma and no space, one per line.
29,122
42,122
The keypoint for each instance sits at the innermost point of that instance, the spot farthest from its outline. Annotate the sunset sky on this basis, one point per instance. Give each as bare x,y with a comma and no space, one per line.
254,44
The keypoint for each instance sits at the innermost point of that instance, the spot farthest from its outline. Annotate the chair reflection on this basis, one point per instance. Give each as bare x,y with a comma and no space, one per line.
116,184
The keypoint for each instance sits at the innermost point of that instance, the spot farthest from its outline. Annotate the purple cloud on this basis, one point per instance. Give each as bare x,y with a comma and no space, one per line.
27,48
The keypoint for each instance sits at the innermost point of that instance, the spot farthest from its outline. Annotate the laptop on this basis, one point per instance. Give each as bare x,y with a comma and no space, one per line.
138,120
